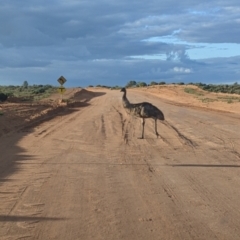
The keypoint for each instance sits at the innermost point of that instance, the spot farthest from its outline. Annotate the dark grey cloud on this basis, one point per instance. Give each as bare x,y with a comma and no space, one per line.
94,42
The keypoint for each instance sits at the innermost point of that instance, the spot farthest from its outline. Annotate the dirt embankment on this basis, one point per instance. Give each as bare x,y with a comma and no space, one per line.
16,115
192,96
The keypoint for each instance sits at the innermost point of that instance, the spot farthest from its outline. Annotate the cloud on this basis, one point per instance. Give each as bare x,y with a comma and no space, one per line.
182,70
111,42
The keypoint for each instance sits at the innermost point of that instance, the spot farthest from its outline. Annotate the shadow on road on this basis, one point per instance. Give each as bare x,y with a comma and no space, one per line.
17,122
206,165
15,218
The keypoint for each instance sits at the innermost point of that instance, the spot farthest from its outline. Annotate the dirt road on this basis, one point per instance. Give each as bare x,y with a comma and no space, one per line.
85,175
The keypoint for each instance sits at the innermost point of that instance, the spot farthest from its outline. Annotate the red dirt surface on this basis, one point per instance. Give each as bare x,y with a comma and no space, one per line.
77,170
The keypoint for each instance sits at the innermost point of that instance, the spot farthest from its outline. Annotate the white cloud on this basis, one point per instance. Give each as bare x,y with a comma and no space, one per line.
182,70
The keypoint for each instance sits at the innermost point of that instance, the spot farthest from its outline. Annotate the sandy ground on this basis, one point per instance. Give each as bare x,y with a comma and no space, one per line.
175,94
80,171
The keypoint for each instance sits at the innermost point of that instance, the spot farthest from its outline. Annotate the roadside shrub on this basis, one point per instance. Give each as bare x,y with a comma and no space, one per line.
193,91
3,97
9,94
39,90
131,84
223,88
153,83
162,83
141,84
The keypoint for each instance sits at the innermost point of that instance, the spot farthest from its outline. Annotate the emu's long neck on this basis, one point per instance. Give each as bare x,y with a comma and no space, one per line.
125,101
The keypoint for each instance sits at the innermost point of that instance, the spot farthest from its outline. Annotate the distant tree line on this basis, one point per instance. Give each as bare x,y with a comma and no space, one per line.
133,83
223,88
108,87
26,91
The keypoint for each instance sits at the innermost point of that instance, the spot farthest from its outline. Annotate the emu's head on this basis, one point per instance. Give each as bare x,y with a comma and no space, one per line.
123,90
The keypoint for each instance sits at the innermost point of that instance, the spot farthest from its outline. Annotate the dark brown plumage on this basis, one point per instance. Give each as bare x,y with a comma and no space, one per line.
142,110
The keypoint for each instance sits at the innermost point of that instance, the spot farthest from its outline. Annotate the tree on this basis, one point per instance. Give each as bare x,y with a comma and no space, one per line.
3,97
131,84
153,83
25,84
162,83
141,84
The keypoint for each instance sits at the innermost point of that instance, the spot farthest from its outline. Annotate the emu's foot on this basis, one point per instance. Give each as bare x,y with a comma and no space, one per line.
140,137
157,134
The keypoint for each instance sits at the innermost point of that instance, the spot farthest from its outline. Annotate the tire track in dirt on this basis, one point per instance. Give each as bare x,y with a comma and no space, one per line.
20,183
182,208
185,141
161,183
216,136
212,195
182,137
180,202
103,127
125,125
50,127
39,177
106,183
169,190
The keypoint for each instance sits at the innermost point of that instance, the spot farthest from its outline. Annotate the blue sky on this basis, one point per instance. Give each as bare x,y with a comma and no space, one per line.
112,42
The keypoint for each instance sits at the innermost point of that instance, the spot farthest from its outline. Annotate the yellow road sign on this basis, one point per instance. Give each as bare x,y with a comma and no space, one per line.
62,80
61,89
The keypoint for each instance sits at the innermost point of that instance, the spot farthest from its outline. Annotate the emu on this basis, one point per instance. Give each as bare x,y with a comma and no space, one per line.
142,110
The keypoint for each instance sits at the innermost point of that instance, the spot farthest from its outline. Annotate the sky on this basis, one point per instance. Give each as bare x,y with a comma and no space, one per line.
110,42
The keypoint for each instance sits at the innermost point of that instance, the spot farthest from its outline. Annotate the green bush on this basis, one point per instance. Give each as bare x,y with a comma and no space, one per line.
131,84
222,88
162,83
141,84
193,91
3,97
153,83
39,91
29,93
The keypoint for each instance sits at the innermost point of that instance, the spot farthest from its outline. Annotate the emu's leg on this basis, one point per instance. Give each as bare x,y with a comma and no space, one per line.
143,123
156,128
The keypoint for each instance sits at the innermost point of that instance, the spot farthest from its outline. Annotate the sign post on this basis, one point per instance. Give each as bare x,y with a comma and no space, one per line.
61,89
